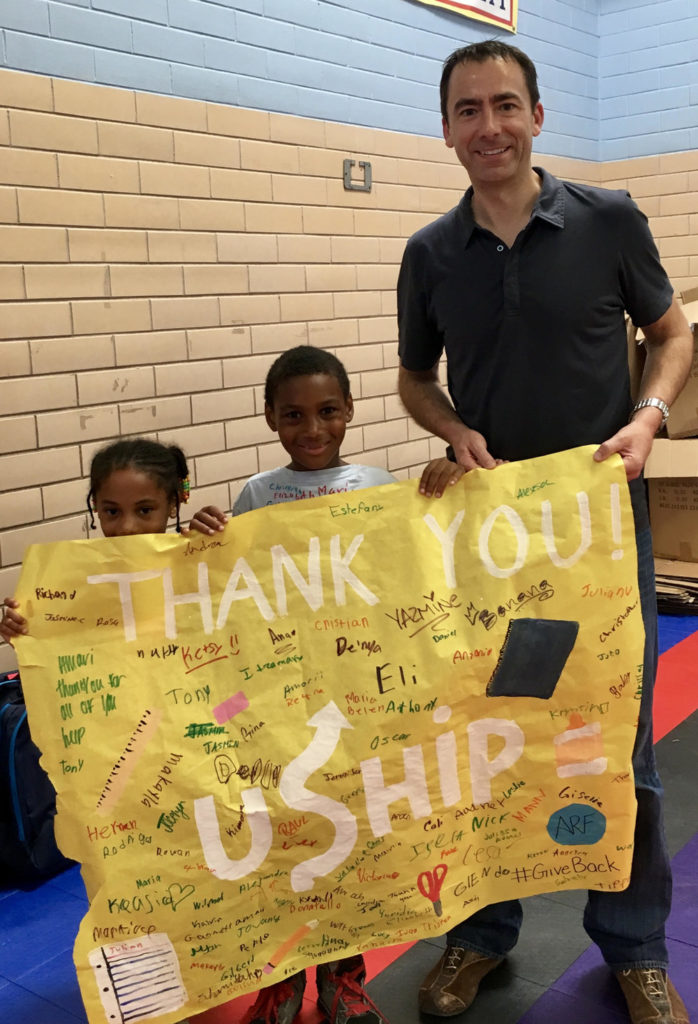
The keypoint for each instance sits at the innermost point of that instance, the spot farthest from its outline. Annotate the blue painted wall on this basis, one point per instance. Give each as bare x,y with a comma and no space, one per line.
618,77
648,59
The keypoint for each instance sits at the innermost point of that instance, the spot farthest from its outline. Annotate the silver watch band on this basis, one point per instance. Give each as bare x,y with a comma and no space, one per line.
656,403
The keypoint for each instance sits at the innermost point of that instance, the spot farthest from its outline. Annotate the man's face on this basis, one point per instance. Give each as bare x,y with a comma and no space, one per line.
491,124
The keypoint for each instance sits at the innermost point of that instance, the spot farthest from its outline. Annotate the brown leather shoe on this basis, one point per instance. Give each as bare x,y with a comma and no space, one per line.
452,984
651,997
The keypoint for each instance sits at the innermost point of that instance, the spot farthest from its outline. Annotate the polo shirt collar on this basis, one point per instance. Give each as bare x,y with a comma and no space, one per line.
550,205
551,201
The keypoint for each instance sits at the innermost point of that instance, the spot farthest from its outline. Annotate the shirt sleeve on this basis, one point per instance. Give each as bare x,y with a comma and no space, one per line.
420,342
646,287
243,502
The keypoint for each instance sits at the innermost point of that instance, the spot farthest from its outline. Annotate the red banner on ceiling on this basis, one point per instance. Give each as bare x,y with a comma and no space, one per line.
495,12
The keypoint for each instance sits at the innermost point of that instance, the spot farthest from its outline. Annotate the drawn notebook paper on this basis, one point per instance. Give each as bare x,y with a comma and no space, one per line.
138,979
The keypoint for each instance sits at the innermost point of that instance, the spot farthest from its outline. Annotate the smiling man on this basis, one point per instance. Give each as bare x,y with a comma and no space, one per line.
524,286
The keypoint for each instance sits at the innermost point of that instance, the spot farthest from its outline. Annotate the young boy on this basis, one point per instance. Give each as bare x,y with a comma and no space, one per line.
307,401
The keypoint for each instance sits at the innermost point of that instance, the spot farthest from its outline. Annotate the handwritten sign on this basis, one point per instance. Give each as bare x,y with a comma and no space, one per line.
343,723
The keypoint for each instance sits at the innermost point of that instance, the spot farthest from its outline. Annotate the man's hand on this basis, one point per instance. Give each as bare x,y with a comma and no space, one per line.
12,623
471,452
633,443
208,520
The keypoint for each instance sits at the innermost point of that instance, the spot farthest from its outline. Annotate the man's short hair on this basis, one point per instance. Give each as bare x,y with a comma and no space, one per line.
478,53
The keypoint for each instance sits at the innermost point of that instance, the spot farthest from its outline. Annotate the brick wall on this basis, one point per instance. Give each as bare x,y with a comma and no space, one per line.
157,253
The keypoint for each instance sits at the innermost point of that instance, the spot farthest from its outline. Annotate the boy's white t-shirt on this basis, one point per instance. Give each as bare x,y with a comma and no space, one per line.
283,484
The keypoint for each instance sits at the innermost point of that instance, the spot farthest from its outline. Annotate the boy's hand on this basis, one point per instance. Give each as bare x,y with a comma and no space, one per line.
438,475
208,520
12,623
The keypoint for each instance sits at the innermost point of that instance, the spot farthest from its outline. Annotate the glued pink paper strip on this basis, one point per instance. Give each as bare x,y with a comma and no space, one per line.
230,707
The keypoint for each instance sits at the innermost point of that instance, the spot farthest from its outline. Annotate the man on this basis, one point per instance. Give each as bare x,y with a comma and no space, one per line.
524,286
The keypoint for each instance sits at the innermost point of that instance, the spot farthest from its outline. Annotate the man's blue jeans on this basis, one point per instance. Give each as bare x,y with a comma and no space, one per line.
627,926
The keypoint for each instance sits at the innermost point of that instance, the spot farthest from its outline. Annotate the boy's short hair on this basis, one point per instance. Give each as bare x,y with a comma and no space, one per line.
304,361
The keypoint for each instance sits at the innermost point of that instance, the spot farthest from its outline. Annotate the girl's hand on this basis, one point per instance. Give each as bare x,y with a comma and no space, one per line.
12,623
208,520
438,475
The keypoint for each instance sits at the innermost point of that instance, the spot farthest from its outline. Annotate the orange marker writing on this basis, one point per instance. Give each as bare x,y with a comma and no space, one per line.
290,943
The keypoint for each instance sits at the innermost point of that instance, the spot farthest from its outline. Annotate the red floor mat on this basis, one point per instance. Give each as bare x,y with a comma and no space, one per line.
676,691
233,1012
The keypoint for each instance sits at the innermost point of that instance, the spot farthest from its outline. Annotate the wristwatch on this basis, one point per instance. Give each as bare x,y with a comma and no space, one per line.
655,403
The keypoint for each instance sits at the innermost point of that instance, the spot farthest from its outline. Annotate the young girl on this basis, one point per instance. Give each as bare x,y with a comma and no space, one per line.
136,486
308,403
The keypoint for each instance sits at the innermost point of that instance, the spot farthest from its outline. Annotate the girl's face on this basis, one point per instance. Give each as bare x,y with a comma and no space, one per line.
131,502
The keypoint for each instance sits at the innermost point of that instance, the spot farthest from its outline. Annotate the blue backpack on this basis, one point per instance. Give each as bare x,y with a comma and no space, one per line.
28,851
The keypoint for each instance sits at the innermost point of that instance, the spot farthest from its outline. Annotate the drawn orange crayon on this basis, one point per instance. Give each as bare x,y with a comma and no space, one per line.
291,942
131,754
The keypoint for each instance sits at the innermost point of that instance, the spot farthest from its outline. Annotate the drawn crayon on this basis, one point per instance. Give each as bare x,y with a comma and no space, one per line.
291,942
123,768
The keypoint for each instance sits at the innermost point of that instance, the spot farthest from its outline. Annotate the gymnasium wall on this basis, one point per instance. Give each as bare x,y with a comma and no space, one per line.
158,251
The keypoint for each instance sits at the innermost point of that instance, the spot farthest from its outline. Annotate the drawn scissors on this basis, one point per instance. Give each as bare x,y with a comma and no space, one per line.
429,884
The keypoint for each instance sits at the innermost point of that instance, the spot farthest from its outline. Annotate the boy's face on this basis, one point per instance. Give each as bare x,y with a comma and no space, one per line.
310,415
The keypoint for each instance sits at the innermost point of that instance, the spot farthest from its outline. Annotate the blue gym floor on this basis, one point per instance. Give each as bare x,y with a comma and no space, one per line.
553,973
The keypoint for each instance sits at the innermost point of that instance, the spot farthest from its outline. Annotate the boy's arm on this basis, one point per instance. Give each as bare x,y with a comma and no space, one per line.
438,475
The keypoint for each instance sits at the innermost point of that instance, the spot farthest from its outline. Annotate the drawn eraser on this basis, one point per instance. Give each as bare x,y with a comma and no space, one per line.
532,658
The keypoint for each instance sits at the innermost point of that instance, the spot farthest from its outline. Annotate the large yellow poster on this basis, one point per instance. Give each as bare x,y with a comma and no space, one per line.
340,724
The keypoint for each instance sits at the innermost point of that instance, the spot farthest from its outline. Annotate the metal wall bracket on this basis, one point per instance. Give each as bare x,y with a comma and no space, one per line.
354,186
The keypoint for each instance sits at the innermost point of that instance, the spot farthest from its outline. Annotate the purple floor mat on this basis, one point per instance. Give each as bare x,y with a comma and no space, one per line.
587,990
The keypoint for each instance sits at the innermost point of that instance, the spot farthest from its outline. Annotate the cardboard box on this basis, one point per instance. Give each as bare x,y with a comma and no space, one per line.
674,517
683,415
673,458
671,568
636,358
677,586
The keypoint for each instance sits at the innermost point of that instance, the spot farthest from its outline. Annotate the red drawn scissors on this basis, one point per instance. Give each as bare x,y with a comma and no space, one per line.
429,884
